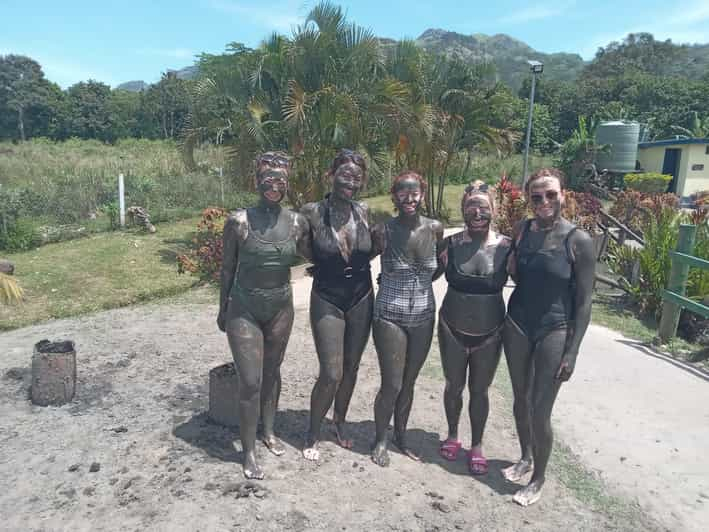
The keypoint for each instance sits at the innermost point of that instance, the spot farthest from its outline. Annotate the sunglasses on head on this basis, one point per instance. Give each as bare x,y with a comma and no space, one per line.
550,195
482,187
274,160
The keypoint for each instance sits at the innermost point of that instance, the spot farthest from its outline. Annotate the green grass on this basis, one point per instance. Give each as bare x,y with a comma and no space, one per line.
98,272
614,313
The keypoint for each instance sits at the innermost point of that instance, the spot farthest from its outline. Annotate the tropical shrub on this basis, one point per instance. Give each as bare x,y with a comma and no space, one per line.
652,260
205,257
582,208
648,182
510,205
634,208
20,235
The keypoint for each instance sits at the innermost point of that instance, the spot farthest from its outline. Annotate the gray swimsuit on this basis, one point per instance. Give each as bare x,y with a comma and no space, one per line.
405,295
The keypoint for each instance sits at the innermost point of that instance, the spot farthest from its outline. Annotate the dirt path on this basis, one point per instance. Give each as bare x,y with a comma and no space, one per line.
140,414
643,424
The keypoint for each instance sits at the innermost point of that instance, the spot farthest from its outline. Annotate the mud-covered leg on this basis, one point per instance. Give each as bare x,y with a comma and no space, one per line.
547,357
518,351
275,340
419,343
358,322
483,364
328,325
246,343
454,360
390,341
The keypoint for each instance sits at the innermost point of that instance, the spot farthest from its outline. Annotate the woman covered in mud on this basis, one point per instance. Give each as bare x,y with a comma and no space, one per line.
471,319
404,310
552,263
260,245
342,298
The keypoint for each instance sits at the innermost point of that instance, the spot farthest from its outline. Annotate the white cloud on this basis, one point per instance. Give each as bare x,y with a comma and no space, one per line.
536,12
280,16
693,14
63,73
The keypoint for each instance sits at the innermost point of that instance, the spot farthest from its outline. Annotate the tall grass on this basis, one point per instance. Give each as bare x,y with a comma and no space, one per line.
74,181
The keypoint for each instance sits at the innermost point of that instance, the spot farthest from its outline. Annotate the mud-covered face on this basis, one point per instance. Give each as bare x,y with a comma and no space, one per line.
272,183
477,213
407,196
347,180
546,198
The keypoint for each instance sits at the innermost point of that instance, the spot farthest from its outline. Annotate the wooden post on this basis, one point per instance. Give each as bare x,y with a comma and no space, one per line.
53,373
677,283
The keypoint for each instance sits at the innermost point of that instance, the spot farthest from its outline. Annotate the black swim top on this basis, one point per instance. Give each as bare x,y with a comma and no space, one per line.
340,282
491,283
543,298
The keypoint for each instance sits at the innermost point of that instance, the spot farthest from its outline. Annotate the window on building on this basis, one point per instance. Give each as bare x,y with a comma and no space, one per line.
707,150
697,167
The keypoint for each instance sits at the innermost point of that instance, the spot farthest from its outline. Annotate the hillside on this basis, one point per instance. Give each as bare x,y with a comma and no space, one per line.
510,57
508,54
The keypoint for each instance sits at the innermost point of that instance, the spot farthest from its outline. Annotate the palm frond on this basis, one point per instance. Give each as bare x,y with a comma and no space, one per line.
10,290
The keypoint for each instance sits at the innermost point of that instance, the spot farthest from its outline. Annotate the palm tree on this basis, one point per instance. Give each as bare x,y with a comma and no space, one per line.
699,128
10,290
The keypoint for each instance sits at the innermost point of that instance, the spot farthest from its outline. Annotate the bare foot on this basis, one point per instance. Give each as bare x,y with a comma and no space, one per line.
343,441
251,468
274,445
516,472
529,494
380,456
310,451
401,445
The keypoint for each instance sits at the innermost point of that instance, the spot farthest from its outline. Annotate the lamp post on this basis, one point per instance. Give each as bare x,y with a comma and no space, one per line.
535,67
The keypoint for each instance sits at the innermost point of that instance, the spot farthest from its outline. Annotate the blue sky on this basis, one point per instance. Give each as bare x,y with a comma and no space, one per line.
75,40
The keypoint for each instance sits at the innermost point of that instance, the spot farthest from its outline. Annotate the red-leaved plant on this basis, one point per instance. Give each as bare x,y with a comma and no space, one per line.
205,257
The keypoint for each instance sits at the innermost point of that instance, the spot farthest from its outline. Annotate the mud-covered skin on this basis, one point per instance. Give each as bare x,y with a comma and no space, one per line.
552,357
258,347
401,350
477,315
340,336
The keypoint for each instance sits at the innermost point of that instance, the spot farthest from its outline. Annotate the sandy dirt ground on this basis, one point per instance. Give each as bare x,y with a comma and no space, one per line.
135,450
640,421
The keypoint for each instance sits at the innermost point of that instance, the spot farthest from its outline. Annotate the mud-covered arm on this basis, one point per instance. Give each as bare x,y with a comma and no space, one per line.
378,235
511,258
304,243
440,243
233,233
505,248
584,273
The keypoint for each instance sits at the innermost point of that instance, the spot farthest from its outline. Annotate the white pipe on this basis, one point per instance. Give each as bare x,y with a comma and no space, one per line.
121,200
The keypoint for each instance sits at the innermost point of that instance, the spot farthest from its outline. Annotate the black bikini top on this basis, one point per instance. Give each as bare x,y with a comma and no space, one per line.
490,283
327,257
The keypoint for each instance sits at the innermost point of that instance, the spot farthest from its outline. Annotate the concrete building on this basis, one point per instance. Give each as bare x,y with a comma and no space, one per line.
686,160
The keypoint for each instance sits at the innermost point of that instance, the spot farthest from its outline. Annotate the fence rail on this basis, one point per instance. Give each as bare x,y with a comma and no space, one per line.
673,297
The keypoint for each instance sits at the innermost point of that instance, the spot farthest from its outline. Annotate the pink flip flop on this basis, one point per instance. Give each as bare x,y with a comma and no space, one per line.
477,464
449,449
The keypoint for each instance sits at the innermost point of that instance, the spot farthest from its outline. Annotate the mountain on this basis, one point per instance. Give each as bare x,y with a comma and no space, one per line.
188,72
133,86
508,54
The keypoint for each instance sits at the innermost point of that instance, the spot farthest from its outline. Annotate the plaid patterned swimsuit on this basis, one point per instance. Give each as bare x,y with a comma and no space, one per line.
405,295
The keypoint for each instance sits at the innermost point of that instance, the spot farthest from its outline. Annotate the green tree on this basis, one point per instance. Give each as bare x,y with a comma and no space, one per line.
168,103
90,114
29,103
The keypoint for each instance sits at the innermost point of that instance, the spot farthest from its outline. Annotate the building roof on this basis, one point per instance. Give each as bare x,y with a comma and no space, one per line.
672,142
